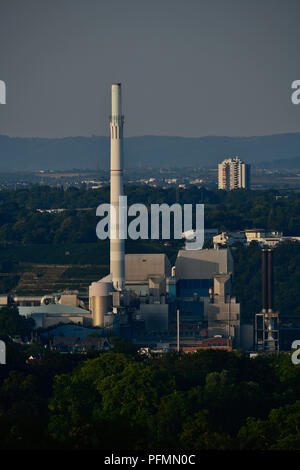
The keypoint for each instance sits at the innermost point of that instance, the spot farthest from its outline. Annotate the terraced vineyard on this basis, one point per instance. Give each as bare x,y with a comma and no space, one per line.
80,277
40,279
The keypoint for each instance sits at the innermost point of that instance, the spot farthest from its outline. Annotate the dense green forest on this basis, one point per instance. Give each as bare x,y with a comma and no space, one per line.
208,400
21,222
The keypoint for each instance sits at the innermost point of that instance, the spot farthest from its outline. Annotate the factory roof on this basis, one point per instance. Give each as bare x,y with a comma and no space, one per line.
141,267
52,309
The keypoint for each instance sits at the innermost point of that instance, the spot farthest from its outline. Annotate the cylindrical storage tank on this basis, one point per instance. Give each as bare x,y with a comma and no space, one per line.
100,301
101,305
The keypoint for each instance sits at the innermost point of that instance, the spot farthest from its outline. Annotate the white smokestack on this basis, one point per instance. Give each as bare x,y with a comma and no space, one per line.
117,258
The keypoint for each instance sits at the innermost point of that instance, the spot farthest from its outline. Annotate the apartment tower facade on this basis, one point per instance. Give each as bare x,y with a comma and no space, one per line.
233,174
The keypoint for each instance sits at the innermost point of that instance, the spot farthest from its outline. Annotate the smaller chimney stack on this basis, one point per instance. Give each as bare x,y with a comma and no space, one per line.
264,279
270,280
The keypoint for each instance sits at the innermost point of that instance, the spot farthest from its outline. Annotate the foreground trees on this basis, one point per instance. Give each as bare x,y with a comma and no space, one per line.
13,324
208,400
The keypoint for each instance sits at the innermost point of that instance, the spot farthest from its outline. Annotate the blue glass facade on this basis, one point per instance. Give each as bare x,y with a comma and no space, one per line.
171,289
188,287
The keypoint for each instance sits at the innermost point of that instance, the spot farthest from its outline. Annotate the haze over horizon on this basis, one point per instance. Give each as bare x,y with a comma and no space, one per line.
188,69
155,151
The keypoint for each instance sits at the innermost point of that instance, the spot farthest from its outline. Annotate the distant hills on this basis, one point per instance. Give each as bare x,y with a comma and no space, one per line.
19,154
288,163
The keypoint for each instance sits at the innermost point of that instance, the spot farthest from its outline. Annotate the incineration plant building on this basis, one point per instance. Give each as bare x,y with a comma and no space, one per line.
143,297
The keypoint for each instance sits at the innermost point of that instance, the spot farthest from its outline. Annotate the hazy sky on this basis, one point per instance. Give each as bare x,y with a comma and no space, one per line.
188,67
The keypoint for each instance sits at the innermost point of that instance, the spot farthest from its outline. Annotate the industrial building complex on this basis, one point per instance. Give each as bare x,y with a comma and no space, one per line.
187,306
145,298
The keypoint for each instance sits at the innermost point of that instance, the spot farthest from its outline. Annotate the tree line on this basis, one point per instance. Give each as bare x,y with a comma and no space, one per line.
209,400
20,221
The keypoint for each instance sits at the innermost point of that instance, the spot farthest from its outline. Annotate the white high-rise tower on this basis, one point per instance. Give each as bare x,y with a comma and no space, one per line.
233,174
117,258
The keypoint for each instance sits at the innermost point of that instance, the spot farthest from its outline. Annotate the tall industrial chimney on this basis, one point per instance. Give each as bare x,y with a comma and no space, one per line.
117,263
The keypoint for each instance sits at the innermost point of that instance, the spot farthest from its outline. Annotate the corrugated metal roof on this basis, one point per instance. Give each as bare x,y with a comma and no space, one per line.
52,309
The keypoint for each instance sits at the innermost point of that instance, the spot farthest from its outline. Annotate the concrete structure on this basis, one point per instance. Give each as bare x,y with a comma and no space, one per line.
52,314
70,299
204,296
145,274
117,263
195,270
233,174
154,316
222,312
